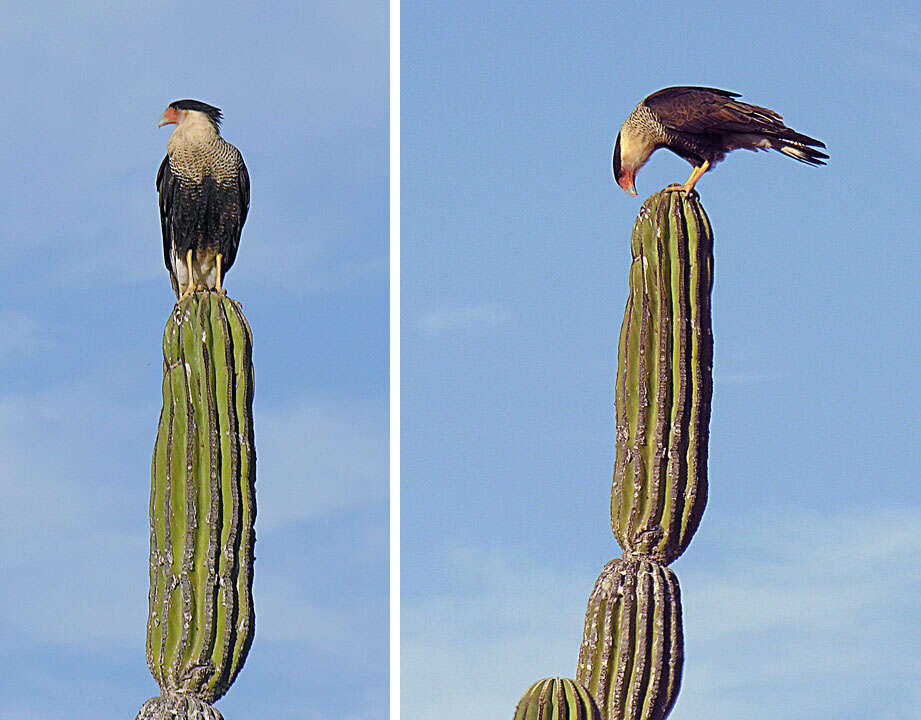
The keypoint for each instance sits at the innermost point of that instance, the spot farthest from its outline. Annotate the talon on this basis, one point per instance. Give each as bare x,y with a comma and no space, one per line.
218,285
190,288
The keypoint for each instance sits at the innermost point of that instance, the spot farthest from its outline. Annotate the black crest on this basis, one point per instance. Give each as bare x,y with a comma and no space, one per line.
209,110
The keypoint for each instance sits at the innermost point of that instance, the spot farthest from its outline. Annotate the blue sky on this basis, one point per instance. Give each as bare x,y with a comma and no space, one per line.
800,587
85,296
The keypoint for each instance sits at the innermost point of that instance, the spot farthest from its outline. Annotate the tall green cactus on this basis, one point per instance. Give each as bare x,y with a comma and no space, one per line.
557,699
632,644
201,619
664,380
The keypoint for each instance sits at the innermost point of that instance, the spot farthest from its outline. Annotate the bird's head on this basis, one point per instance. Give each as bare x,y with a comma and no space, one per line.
623,175
183,112
631,151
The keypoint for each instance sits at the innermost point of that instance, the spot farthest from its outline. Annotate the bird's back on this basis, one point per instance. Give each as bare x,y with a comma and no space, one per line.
204,200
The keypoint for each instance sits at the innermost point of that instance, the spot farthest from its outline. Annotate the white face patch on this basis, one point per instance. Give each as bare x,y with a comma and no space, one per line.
193,127
634,151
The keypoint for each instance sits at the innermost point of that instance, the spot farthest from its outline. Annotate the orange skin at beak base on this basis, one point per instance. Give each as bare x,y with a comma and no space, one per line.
170,117
626,183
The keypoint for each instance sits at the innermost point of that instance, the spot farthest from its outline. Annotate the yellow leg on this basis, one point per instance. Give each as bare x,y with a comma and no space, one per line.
696,174
190,288
219,288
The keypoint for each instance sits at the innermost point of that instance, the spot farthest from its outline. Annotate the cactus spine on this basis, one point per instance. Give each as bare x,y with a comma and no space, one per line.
632,645
201,619
557,699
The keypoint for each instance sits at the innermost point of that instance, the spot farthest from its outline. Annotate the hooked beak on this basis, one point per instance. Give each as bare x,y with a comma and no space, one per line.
626,183
170,116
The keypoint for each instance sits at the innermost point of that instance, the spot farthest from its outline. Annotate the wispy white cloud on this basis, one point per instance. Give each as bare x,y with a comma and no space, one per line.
506,623
309,256
314,460
293,614
23,335
810,615
62,453
453,319
92,586
74,527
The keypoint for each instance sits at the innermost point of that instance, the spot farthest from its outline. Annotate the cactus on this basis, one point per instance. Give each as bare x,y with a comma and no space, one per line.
202,509
664,380
557,699
633,646
178,706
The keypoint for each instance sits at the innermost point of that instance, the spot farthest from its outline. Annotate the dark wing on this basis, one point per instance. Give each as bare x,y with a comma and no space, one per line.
714,111
242,209
166,187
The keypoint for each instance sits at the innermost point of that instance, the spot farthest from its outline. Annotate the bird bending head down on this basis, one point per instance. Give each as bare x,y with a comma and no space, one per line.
701,125
204,198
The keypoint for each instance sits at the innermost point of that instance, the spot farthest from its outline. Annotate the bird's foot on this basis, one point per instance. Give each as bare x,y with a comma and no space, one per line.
681,188
191,290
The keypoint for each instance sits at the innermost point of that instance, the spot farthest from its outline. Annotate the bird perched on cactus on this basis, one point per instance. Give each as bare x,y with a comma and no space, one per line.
701,125
204,198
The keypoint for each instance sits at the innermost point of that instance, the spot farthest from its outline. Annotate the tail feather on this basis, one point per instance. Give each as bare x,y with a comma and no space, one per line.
798,137
800,151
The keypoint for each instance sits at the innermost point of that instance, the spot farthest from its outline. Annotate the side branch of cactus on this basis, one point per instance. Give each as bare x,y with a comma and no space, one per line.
557,699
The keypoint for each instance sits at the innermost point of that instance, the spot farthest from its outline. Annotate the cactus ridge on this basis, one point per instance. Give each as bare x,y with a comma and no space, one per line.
557,699
633,646
202,508
664,380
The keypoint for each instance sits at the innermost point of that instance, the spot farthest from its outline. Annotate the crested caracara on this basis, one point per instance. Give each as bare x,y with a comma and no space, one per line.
204,198
701,125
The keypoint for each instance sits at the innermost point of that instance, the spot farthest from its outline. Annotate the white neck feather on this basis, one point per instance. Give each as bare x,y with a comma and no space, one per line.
193,128
634,150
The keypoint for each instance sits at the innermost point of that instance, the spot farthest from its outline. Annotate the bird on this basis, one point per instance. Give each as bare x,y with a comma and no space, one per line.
203,187
702,124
